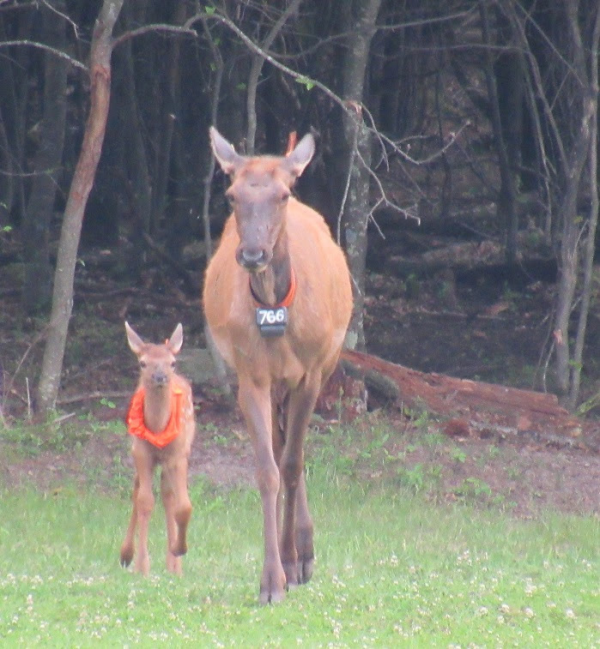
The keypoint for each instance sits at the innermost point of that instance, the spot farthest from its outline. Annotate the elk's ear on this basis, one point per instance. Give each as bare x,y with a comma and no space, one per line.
176,340
297,160
135,342
224,152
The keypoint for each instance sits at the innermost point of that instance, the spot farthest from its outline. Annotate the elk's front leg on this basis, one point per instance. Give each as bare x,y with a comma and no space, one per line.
255,403
297,552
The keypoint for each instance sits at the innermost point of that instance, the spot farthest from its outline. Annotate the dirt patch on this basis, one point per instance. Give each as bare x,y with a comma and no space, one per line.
523,479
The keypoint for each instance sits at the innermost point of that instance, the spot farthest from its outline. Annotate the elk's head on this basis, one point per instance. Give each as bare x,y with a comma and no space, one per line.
259,192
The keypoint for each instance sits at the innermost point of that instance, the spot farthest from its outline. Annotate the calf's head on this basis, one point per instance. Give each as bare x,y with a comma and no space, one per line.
157,362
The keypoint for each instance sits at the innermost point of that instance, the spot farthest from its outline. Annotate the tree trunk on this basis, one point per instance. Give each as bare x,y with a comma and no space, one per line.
218,67
577,156
6,180
355,206
37,286
507,199
136,160
62,299
170,109
13,99
588,261
256,68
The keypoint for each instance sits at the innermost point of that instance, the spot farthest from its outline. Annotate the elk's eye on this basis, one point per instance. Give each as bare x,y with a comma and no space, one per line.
284,198
143,364
172,364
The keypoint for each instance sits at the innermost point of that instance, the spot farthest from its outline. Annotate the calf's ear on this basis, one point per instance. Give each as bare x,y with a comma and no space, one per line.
176,340
135,342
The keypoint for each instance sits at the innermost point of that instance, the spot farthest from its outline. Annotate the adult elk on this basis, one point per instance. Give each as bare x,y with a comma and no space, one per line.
161,420
277,298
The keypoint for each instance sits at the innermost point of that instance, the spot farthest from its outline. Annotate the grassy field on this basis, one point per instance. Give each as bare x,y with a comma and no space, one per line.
392,570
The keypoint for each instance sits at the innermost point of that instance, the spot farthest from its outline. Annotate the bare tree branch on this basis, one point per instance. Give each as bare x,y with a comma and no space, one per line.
157,27
63,16
63,55
309,83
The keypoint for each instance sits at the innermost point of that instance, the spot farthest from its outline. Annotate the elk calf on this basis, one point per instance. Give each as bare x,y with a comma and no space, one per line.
161,420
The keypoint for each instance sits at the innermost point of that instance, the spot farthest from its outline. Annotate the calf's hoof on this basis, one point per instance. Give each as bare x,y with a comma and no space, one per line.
179,548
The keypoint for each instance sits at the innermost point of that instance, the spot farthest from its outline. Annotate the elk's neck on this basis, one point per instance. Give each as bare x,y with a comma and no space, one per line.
157,408
272,285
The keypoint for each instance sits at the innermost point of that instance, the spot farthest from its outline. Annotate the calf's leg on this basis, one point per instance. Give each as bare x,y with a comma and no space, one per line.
144,505
177,475
168,497
128,546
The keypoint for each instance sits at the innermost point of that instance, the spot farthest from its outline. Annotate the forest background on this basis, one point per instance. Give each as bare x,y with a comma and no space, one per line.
471,121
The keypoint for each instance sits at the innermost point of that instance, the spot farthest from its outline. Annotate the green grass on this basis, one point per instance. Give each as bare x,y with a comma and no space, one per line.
392,570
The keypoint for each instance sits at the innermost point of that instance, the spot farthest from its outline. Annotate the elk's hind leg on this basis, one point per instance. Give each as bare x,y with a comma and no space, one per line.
304,534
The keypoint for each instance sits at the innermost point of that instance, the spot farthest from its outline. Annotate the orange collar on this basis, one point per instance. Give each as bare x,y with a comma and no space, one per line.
137,426
287,300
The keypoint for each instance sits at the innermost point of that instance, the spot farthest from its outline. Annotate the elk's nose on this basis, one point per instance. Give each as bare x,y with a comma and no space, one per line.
252,258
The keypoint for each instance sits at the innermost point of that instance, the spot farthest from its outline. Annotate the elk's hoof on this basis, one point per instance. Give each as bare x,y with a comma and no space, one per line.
272,588
306,553
271,596
305,569
291,574
126,557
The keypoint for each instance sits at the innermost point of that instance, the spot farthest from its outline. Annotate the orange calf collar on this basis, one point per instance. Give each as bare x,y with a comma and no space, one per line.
137,427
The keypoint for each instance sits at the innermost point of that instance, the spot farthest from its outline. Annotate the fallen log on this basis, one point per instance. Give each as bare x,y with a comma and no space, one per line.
469,407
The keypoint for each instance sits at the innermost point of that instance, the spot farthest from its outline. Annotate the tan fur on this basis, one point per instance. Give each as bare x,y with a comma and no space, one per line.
279,378
173,458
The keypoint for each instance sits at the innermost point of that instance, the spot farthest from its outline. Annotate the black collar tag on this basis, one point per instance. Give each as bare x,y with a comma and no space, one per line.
271,321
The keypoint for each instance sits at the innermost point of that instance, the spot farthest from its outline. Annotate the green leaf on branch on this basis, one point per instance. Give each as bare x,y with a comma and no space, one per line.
309,84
